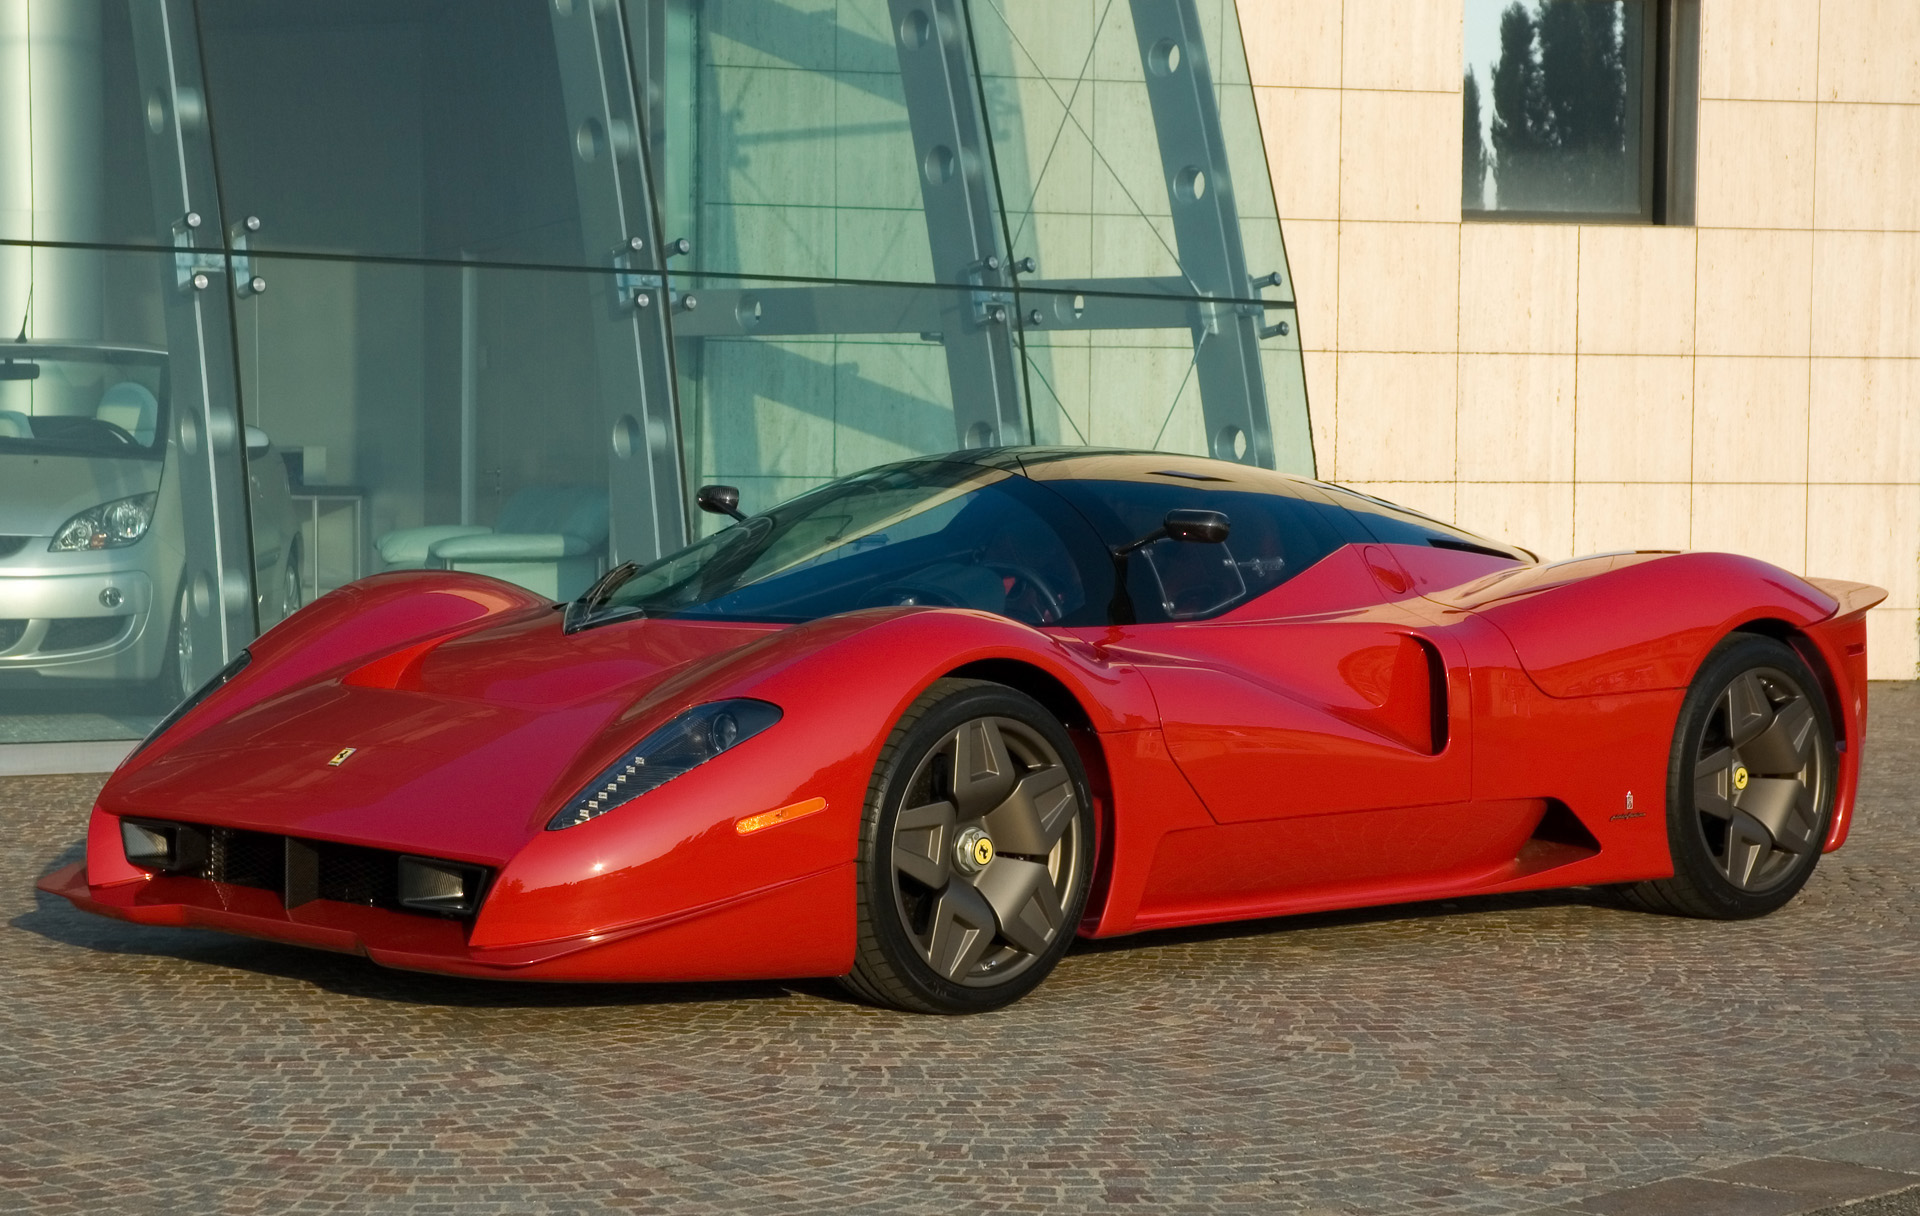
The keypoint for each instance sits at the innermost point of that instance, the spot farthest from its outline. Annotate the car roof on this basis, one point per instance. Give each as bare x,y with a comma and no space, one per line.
1121,464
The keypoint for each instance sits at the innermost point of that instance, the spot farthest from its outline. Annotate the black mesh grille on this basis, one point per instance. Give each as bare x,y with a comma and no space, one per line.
80,632
10,545
348,873
10,632
247,859
355,875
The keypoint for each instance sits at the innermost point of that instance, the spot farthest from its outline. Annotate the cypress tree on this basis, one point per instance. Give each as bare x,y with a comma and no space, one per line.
1473,148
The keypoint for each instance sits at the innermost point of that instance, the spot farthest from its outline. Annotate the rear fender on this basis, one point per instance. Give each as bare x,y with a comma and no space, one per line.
1633,622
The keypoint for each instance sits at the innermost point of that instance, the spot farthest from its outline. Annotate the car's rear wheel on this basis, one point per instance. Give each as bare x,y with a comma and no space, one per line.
976,852
1750,784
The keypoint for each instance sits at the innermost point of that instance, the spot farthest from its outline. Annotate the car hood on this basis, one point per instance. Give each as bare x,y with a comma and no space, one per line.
457,742
39,493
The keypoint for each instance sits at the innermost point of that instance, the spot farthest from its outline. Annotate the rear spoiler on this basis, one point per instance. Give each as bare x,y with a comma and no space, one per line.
1855,598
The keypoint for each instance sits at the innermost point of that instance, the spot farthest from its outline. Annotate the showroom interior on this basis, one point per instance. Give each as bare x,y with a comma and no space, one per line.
298,292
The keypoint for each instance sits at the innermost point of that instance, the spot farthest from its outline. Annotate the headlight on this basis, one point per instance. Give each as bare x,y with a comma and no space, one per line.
691,739
111,525
200,694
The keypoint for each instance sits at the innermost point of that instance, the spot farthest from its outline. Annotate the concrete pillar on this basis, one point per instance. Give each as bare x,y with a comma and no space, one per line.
51,175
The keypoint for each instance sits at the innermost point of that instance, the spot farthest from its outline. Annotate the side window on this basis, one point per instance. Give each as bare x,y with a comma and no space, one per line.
1393,525
1273,537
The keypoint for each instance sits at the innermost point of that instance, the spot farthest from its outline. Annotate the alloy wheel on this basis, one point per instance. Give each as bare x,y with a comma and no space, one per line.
985,849
1759,776
183,648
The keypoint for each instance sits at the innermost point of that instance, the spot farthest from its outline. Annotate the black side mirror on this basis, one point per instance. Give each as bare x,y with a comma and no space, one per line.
720,500
1187,525
1195,527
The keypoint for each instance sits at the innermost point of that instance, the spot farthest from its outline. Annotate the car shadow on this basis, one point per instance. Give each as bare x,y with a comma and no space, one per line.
356,976
1347,918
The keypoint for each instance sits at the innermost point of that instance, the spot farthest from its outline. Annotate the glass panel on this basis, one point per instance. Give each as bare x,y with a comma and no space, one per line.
73,133
440,417
495,130
785,386
806,161
95,502
1132,166
1074,140
1555,109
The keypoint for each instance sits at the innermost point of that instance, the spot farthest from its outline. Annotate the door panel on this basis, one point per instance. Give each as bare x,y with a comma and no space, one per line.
1352,706
1289,718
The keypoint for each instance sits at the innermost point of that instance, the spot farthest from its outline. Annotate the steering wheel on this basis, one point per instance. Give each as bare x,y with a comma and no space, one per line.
1030,598
113,430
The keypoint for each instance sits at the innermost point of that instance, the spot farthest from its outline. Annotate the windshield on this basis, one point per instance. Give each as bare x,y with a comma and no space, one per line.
925,532
79,402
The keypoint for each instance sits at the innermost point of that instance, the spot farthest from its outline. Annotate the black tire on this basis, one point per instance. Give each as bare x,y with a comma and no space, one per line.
1750,786
998,916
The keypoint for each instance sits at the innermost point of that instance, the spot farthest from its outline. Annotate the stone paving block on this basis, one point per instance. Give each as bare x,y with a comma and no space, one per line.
1694,1197
1484,1057
1902,1203
1886,1150
1824,1180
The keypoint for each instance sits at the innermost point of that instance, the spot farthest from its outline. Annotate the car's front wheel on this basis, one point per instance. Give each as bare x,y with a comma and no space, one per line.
977,848
290,597
175,682
1750,784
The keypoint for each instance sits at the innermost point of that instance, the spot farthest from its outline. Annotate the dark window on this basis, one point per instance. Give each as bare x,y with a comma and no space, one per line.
923,533
1273,538
1580,109
1396,525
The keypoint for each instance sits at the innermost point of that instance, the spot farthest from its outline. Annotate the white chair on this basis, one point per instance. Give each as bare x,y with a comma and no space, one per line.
549,539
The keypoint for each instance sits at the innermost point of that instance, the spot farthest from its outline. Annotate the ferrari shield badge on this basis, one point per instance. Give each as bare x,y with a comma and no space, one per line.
340,757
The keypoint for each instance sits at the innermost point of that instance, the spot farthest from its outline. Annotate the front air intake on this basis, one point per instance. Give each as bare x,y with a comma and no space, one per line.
302,871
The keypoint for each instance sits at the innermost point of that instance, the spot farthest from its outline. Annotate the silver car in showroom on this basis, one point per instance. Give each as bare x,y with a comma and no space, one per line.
92,548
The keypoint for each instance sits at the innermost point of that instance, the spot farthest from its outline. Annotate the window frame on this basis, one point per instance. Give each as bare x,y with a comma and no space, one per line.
1669,106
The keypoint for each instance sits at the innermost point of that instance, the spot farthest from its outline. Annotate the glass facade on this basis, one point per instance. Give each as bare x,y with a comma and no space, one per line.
311,290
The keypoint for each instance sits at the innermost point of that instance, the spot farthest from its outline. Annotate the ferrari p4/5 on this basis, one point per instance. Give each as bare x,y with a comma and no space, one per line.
922,726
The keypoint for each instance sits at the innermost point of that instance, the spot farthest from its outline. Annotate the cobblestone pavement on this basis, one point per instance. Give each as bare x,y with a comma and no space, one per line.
1505,1055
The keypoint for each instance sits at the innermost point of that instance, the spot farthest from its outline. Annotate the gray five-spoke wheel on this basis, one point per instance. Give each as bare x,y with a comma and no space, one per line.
985,850
1759,777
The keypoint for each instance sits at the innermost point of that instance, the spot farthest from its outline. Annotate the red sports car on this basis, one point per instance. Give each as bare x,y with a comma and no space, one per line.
919,727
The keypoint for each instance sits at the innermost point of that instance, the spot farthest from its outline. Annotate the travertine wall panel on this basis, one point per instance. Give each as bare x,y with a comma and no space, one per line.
1751,383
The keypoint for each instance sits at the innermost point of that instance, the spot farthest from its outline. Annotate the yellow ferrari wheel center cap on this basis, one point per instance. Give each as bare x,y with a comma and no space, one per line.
973,850
1740,777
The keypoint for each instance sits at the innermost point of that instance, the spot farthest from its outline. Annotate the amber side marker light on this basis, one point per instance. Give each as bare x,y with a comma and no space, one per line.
767,819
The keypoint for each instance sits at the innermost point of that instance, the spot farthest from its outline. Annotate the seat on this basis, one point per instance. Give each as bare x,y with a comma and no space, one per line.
15,425
552,540
132,407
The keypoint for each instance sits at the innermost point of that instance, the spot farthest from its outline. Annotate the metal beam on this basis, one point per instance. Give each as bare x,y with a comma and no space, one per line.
963,225
1206,226
648,509
1098,304
197,290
